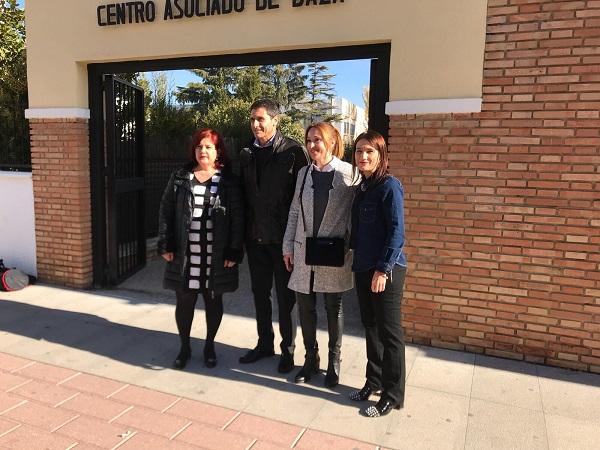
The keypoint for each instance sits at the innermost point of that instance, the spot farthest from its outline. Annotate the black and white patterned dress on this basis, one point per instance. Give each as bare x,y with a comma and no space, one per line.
201,230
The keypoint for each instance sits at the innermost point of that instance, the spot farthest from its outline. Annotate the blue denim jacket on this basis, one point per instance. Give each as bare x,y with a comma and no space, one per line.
378,226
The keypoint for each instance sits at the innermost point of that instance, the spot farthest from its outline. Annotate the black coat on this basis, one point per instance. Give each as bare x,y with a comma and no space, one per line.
268,204
174,218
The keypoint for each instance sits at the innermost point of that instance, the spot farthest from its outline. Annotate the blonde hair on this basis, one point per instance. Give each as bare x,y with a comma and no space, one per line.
331,136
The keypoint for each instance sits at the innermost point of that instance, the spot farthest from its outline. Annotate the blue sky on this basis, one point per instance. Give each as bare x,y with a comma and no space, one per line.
350,78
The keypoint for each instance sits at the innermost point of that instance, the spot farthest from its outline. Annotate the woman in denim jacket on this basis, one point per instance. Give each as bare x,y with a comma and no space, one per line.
380,267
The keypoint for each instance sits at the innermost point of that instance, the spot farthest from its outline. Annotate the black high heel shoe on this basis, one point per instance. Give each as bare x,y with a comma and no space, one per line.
182,358
363,394
382,408
210,357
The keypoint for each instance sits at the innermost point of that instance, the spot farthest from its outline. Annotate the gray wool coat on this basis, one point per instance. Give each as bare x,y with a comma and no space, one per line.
336,223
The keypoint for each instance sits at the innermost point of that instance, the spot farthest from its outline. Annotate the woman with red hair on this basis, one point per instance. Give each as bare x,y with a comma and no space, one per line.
200,236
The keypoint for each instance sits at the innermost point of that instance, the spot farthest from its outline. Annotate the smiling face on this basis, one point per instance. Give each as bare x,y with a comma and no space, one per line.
318,150
263,126
366,157
206,153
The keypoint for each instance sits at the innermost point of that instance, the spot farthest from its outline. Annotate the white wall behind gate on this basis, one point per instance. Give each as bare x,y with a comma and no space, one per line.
17,224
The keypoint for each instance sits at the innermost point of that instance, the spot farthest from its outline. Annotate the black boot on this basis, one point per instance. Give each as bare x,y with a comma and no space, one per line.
311,366
335,327
332,378
182,358
210,357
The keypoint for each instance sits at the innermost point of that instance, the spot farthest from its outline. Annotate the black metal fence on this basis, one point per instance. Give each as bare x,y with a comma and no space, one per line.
14,134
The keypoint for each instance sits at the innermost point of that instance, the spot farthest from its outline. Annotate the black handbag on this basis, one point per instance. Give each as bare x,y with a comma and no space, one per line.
321,251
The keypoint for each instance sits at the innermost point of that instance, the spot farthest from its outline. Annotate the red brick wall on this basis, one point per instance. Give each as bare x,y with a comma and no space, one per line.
503,207
61,188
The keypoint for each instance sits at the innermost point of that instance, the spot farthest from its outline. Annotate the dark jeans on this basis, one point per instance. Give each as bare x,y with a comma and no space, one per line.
184,314
381,317
307,307
266,262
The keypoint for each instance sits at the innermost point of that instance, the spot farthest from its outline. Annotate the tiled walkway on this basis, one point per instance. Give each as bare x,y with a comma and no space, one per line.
44,406
94,367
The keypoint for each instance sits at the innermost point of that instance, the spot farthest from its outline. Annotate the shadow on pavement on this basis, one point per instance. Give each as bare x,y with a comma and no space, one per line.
150,349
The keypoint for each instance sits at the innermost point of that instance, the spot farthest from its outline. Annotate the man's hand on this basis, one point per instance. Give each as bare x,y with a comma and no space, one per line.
168,256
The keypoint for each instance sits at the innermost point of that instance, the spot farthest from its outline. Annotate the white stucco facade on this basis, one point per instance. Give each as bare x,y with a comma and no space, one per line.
17,222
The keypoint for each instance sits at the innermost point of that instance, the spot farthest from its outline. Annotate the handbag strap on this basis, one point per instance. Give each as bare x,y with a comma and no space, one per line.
300,197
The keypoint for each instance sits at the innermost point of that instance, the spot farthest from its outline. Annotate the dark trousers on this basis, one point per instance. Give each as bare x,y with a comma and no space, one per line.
307,308
381,317
266,263
184,314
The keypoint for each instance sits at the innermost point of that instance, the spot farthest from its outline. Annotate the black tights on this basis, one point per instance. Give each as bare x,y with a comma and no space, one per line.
184,315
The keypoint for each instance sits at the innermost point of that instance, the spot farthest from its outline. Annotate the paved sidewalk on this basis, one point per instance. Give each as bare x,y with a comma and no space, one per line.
87,359
44,406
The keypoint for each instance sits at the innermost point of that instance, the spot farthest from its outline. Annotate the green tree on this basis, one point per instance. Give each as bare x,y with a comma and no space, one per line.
286,84
320,92
164,117
14,134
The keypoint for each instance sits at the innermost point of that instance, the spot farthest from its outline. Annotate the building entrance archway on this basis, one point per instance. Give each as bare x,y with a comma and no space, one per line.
104,219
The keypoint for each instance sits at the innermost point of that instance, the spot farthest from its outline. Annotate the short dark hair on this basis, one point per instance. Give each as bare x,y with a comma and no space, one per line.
271,106
222,160
376,141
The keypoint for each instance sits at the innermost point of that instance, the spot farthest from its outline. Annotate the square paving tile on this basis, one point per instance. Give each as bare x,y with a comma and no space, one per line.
95,406
568,433
9,381
152,421
265,429
317,440
147,441
135,395
453,371
345,420
569,393
40,391
492,425
93,384
298,404
429,419
263,445
46,372
96,432
9,363
29,438
213,438
9,401
7,425
195,411
40,416
504,381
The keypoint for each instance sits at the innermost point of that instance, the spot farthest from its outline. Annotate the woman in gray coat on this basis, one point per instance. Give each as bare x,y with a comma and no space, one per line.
320,208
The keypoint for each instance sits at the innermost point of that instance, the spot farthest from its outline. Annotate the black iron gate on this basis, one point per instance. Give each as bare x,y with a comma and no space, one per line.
124,178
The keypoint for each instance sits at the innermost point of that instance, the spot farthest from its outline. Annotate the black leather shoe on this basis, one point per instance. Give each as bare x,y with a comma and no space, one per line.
363,394
382,408
182,358
210,357
255,354
310,367
286,363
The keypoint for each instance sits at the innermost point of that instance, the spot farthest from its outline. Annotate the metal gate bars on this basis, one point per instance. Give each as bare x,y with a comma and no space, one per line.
124,171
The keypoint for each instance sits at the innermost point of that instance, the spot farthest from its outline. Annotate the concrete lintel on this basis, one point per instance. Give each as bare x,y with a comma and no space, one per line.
434,106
